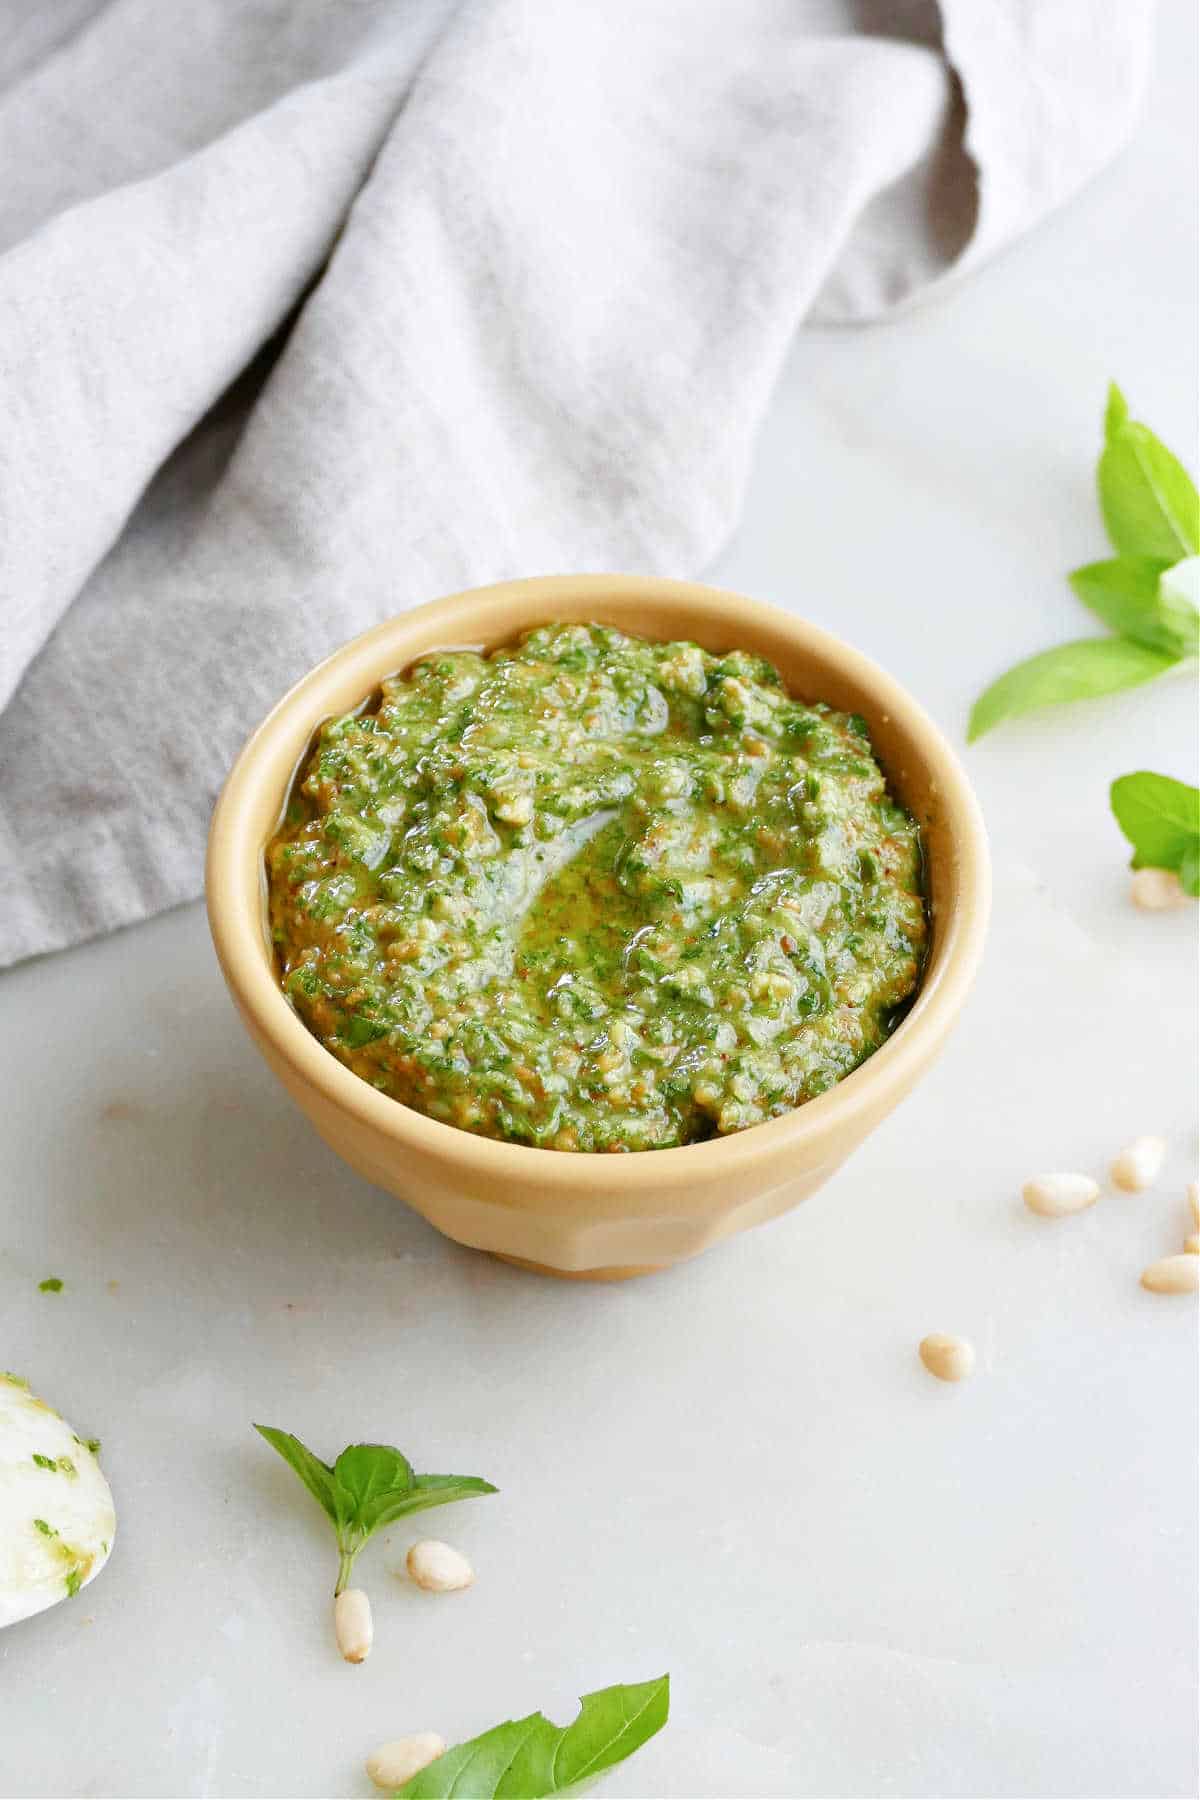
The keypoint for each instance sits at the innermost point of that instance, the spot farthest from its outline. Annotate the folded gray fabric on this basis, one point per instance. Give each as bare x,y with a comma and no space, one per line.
311,310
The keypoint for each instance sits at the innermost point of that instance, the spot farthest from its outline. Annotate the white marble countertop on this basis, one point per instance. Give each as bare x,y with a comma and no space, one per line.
863,1582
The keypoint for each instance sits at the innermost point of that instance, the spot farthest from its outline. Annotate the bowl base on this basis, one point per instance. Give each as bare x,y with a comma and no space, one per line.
616,1273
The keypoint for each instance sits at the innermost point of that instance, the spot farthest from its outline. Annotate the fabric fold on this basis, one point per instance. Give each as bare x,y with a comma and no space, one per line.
126,317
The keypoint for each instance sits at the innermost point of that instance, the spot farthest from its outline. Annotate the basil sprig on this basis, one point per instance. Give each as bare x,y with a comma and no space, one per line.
1145,594
1146,495
1161,819
368,1487
527,1759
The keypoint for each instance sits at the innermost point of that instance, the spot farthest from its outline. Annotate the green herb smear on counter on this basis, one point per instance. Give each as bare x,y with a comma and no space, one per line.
596,893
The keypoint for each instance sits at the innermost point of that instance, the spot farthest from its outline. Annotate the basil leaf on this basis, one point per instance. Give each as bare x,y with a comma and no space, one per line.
380,1505
371,1475
1147,497
1134,595
317,1476
1079,671
526,1759
369,1486
1161,819
441,1490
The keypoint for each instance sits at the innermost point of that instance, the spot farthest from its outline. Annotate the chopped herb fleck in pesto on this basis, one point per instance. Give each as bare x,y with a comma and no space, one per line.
46,1530
596,893
51,1285
44,1462
73,1580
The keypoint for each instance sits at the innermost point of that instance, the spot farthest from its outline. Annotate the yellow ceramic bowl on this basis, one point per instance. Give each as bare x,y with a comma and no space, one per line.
572,1212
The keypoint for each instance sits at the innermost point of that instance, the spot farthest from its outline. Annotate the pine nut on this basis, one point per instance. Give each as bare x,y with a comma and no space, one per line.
949,1358
1173,1275
397,1762
352,1624
1194,1200
1138,1165
1156,890
1054,1196
438,1567
1192,1244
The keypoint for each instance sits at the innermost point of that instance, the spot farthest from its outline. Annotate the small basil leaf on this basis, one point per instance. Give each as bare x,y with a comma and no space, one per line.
370,1485
317,1476
1079,671
1161,819
1116,411
527,1759
440,1490
1132,596
1147,497
427,1491
369,1473
435,1490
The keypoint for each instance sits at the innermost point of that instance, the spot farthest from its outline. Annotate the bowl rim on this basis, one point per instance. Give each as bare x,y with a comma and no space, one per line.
870,1089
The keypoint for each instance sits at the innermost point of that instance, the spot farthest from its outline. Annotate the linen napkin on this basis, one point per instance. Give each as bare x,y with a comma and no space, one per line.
311,310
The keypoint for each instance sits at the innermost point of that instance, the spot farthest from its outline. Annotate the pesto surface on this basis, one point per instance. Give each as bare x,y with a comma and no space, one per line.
595,893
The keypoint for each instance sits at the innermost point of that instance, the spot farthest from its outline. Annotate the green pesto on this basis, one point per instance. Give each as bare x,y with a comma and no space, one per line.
61,1466
51,1285
596,893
